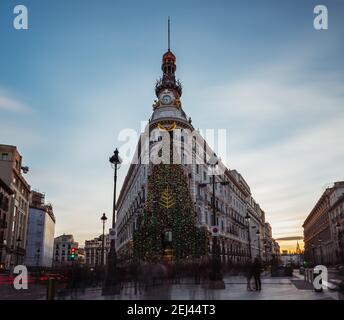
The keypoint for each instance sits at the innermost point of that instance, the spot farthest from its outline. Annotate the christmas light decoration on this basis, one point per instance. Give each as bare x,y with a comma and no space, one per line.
169,214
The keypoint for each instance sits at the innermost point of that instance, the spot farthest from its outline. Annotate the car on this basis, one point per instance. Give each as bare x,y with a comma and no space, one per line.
44,277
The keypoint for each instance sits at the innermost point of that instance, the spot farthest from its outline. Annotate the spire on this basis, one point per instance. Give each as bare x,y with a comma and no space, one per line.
298,251
168,67
169,34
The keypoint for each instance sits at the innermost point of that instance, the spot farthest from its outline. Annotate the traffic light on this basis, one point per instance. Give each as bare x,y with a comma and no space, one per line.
72,256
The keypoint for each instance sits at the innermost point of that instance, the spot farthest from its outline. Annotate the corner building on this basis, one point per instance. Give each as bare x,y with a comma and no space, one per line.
141,200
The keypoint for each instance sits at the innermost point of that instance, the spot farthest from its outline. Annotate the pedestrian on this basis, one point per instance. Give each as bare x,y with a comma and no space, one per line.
257,269
248,273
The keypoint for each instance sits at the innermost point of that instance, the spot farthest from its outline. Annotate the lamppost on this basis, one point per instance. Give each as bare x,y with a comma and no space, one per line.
115,162
17,255
321,254
111,281
247,218
215,275
313,254
103,218
258,236
38,251
339,238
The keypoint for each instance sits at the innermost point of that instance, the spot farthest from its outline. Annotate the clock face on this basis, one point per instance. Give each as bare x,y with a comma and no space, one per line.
166,99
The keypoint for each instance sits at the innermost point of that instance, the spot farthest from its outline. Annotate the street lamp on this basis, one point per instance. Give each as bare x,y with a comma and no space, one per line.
247,218
103,218
111,281
18,243
339,236
313,254
115,162
215,275
38,251
321,254
258,235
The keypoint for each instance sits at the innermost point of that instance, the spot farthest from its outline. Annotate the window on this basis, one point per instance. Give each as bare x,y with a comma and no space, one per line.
5,156
168,236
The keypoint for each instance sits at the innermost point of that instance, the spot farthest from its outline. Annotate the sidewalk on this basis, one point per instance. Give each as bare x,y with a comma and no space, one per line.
281,288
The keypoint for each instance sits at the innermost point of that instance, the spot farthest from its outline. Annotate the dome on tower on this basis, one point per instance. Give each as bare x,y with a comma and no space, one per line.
168,56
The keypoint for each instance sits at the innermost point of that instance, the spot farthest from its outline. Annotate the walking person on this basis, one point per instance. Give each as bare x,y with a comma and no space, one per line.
248,273
257,269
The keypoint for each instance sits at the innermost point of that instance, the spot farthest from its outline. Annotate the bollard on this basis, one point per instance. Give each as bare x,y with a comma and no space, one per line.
311,277
51,289
307,275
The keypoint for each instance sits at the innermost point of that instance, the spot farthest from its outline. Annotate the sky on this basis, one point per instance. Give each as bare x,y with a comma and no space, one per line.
85,70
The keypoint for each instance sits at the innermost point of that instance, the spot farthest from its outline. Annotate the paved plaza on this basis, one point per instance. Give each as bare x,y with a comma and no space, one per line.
273,288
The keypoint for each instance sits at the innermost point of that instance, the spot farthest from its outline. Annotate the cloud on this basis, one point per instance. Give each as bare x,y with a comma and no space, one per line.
289,238
11,104
286,124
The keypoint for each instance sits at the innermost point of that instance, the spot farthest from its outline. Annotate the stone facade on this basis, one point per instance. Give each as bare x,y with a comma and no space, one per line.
63,246
93,251
14,242
319,231
6,197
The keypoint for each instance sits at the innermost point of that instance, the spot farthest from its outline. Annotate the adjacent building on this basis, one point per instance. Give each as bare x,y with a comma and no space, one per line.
14,234
93,250
243,231
40,232
65,251
276,248
6,197
268,242
336,214
81,255
323,227
292,259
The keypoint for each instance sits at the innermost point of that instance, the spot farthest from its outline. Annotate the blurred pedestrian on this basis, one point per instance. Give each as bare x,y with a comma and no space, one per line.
257,269
248,273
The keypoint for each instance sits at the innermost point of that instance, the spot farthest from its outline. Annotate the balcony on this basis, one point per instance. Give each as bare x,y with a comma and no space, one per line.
3,224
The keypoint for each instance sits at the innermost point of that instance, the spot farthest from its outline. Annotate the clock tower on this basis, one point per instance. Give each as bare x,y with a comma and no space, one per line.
167,109
168,90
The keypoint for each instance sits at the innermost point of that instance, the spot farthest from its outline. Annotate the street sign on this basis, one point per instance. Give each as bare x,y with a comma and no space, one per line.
112,234
215,231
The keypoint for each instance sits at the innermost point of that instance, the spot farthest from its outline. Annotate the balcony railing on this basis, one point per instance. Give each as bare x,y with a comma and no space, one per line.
3,224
